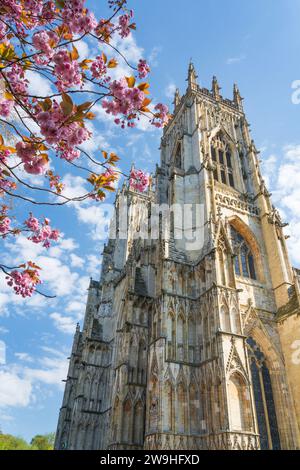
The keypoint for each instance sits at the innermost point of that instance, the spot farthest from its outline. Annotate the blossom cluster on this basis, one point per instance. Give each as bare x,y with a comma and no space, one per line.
124,24
4,221
24,282
126,101
44,41
66,70
139,180
17,81
5,107
34,164
6,184
78,18
161,115
41,232
143,68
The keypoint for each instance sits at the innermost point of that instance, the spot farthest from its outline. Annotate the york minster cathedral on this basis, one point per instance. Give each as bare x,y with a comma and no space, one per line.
186,345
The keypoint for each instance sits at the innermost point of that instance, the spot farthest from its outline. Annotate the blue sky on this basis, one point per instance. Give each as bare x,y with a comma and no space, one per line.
255,44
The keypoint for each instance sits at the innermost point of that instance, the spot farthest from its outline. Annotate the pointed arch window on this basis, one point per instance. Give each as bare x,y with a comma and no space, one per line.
244,259
178,156
263,398
239,403
222,158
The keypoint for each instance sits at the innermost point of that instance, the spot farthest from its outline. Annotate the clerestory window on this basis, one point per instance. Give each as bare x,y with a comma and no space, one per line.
222,158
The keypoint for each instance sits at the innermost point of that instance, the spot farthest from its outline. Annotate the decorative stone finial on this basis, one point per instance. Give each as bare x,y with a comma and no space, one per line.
177,98
238,100
192,76
215,88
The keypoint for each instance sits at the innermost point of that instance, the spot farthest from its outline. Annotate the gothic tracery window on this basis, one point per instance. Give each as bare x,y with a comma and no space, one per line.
244,260
222,158
263,398
178,156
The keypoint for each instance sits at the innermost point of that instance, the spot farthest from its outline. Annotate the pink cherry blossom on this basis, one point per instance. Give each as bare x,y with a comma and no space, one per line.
65,137
125,100
161,117
4,225
78,18
143,68
124,23
42,42
17,80
66,70
41,232
6,107
25,151
38,166
24,282
98,67
69,154
138,180
32,223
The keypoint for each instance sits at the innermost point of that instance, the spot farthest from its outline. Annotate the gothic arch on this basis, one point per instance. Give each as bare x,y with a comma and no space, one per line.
275,364
181,407
243,229
171,334
115,418
177,154
127,421
223,151
194,405
239,402
235,320
138,423
168,407
181,336
225,318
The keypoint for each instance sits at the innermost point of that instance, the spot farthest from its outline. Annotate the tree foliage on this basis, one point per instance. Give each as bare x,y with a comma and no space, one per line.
38,442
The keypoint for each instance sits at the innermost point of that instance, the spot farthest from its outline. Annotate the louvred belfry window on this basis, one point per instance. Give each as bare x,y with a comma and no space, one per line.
221,155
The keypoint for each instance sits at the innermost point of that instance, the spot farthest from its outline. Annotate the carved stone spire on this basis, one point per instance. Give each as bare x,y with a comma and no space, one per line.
215,88
238,100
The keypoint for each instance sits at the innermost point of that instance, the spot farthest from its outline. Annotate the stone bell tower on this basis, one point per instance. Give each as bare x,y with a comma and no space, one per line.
195,323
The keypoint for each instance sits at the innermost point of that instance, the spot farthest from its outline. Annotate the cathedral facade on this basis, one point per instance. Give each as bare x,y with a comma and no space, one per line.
191,345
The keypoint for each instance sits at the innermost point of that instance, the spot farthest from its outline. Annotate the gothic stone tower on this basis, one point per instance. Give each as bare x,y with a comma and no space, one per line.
187,348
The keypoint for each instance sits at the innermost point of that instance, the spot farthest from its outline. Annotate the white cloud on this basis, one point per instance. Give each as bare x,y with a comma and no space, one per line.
282,175
2,352
75,186
38,85
53,369
76,261
235,60
152,59
170,90
14,390
57,276
83,49
63,323
97,217
24,357
94,263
